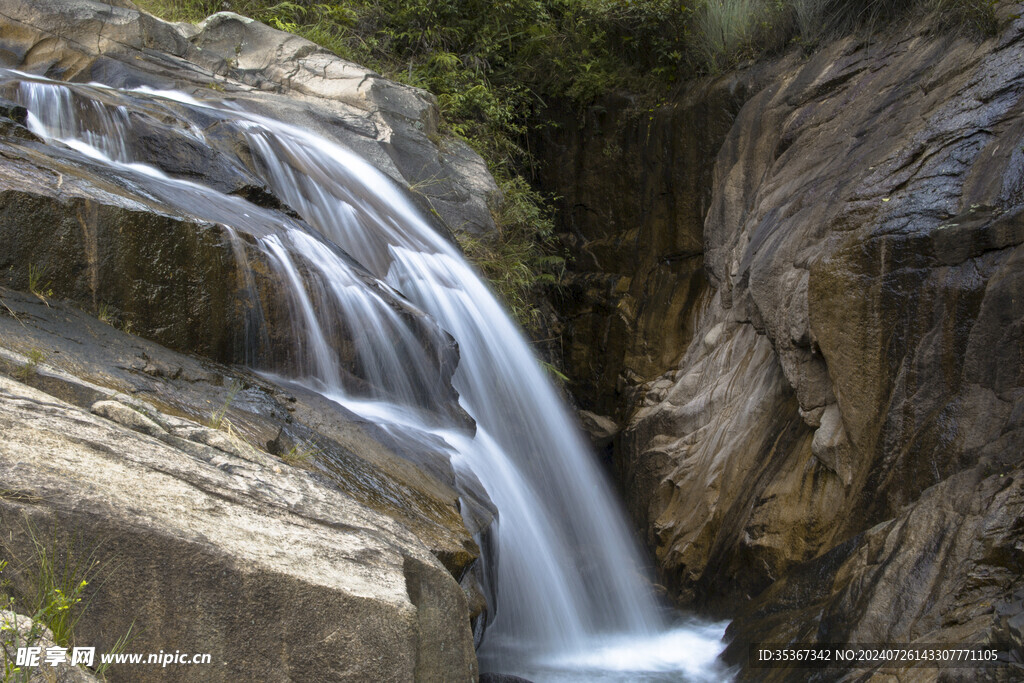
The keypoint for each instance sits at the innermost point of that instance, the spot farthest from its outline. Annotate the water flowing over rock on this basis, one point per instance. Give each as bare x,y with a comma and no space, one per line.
833,453
278,74
222,202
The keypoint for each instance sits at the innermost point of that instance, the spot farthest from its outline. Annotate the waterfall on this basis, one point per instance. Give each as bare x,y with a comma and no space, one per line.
570,595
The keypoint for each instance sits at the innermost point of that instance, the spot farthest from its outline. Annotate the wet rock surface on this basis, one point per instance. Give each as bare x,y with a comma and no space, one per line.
156,256
827,442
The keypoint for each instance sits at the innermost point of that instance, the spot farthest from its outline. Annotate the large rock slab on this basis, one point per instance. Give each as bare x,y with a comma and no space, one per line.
72,356
392,125
277,576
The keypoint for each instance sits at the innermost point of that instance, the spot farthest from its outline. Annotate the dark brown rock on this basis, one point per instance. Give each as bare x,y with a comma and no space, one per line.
834,455
633,188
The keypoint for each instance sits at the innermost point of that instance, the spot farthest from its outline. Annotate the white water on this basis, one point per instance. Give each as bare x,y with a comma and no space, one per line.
571,598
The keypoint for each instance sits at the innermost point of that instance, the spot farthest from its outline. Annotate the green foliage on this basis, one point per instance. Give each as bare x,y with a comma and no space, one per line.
11,638
555,373
217,418
724,33
491,62
53,585
104,314
973,17
38,284
119,646
28,370
519,259
59,592
726,30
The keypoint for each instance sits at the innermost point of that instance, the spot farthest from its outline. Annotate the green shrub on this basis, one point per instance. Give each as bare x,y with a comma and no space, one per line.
38,284
723,29
519,259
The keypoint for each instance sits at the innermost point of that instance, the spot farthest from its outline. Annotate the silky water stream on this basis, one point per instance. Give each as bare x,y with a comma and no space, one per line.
569,591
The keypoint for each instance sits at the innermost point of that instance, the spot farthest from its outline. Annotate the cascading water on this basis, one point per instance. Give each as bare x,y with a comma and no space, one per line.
569,591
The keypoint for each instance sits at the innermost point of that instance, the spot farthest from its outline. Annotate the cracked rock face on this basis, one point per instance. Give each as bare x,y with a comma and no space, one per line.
844,414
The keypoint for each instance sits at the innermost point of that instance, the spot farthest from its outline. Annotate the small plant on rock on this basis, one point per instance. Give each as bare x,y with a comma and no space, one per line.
56,582
300,454
104,314
50,592
28,370
38,284
218,415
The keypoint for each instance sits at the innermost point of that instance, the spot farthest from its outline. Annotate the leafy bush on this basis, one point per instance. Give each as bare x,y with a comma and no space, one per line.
518,259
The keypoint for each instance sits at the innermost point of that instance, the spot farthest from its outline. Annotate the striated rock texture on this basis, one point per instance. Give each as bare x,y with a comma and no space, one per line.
357,595
634,186
834,453
83,361
277,73
293,543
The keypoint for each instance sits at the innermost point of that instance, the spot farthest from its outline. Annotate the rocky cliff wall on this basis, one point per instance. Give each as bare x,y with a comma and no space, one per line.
633,187
825,435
